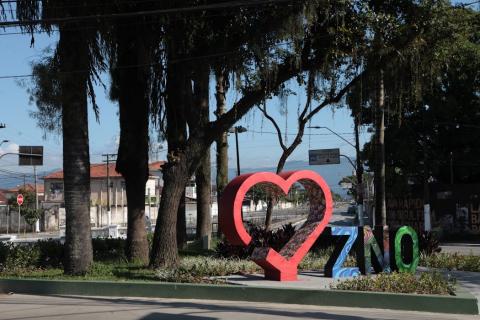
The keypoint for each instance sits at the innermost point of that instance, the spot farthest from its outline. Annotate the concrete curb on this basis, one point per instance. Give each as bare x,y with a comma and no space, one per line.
462,303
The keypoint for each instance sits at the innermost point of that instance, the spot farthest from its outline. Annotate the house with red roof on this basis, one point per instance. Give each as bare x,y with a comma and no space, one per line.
13,192
100,174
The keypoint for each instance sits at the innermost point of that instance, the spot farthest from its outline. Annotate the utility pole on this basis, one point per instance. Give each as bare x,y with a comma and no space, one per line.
451,167
359,171
380,202
109,157
37,223
358,167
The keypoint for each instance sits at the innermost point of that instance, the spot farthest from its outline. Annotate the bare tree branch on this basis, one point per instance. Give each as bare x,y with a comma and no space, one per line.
275,124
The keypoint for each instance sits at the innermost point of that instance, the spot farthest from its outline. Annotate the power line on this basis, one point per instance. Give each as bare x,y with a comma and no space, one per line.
305,134
173,61
30,32
469,4
225,5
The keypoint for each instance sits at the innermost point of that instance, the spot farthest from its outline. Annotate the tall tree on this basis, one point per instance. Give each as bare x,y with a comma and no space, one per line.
222,85
131,70
70,72
266,67
73,56
199,120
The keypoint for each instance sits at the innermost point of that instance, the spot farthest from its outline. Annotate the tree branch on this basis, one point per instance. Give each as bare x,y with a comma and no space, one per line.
275,124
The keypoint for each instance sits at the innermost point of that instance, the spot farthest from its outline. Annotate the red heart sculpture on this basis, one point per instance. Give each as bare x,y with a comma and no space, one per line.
283,265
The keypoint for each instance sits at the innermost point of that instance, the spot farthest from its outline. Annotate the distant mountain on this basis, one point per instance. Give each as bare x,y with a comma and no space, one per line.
332,173
11,180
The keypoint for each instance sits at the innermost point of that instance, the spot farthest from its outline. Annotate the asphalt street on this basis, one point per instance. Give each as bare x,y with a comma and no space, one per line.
16,307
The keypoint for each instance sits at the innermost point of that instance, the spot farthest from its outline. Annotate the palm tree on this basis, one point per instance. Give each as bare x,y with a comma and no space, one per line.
71,72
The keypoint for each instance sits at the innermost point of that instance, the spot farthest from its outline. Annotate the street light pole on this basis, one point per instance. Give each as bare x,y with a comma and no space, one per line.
109,157
358,167
4,141
238,153
237,130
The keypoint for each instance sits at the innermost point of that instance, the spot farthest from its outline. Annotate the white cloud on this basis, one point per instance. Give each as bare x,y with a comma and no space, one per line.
9,147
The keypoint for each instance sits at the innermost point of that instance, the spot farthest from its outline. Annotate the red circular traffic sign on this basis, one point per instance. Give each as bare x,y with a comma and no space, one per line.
20,199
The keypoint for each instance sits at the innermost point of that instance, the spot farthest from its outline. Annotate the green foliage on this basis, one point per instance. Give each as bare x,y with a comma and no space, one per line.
425,283
317,260
27,210
260,238
429,243
109,249
31,215
18,256
451,261
433,106
206,269
46,253
28,199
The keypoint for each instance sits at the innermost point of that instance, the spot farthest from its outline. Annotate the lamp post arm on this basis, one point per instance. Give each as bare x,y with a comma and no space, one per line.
349,160
19,154
336,135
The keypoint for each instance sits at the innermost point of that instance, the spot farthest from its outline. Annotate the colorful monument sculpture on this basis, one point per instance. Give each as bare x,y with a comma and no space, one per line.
283,265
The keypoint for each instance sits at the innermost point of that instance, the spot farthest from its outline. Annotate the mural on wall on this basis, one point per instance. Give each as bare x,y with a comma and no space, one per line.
456,208
405,211
453,208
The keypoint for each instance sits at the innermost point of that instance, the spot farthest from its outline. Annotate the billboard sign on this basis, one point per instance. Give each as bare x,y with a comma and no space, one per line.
324,156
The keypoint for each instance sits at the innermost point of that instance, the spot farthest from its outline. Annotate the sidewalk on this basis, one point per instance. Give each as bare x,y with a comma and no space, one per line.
86,308
461,248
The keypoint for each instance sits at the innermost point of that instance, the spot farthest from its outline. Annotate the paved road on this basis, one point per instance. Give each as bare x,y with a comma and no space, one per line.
76,308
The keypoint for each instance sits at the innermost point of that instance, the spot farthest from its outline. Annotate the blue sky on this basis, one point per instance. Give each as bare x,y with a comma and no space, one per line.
256,149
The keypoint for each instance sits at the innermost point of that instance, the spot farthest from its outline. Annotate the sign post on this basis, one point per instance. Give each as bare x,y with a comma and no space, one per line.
19,202
32,156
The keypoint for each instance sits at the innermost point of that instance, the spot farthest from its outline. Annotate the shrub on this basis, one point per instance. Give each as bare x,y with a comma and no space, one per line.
50,253
44,253
260,238
429,243
206,269
318,259
109,249
426,283
19,256
451,261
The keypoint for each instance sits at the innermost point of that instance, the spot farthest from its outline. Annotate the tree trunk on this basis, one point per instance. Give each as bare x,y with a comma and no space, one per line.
182,223
179,94
73,52
204,216
170,230
222,141
132,160
380,204
203,173
164,250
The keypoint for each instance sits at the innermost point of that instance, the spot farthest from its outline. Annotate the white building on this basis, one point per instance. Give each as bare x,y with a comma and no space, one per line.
98,186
